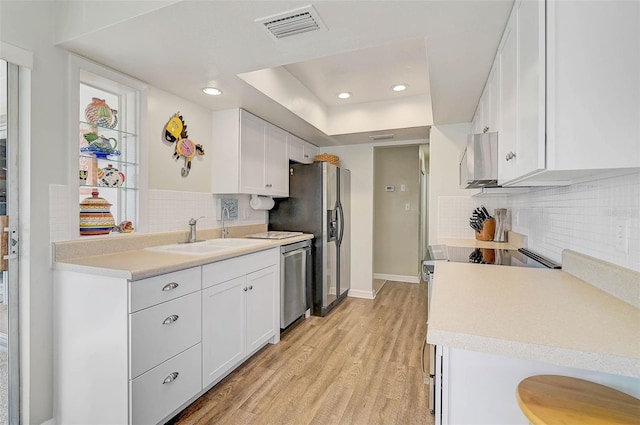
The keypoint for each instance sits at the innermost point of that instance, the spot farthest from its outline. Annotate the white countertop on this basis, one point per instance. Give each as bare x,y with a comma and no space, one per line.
140,263
536,314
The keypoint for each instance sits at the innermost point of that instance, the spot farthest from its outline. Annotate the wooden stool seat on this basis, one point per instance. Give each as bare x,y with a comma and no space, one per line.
553,399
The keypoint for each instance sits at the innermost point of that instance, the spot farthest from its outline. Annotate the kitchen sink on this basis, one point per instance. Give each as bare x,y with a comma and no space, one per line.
234,242
211,246
197,248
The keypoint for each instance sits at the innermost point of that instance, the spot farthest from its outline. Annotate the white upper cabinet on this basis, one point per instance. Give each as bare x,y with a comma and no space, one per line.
520,63
593,86
249,155
300,150
568,93
485,119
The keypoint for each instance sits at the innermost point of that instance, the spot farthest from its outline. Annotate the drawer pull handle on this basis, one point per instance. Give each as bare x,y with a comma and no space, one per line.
172,377
245,289
170,286
250,287
171,319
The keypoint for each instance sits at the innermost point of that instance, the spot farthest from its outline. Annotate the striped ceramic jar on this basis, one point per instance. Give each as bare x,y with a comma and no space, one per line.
95,216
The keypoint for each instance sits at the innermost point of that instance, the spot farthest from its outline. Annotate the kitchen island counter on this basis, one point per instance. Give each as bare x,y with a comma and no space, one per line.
534,314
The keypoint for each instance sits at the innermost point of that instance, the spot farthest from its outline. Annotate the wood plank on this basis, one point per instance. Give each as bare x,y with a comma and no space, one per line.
358,365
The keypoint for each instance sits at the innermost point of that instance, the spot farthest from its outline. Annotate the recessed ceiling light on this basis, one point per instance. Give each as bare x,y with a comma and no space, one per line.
344,95
399,87
212,91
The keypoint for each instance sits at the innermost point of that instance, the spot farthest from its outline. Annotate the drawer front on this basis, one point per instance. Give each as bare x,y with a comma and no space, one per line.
222,271
160,332
155,290
166,387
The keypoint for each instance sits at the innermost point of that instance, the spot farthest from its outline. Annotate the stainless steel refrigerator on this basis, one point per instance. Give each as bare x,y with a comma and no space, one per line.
320,203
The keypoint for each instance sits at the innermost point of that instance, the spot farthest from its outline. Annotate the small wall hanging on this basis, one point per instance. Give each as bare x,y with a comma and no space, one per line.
175,131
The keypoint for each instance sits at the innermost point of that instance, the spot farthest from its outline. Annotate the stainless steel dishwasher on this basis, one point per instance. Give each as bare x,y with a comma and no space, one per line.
294,278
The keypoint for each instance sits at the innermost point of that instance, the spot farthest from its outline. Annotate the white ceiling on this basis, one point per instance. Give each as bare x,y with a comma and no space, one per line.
442,49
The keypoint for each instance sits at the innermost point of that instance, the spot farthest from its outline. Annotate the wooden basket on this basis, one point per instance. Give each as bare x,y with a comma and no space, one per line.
325,157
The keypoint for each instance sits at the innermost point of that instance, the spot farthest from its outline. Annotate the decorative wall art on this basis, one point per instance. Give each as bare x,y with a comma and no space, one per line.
175,131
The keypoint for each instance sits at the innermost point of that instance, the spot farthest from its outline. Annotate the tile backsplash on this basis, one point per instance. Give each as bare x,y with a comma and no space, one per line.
168,211
590,218
171,210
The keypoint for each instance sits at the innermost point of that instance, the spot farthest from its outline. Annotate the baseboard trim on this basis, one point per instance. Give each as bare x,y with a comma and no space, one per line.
355,293
397,277
49,422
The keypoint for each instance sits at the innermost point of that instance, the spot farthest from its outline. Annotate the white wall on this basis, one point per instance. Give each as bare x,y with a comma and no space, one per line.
396,229
29,25
164,170
446,143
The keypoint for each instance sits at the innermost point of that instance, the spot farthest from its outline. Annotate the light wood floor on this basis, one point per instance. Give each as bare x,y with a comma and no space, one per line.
359,365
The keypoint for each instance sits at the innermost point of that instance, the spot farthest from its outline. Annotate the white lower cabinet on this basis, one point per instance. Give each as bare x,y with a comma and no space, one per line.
477,388
135,352
223,327
159,391
240,314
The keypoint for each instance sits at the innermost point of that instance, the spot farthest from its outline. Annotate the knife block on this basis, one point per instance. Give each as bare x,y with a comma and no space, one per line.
488,230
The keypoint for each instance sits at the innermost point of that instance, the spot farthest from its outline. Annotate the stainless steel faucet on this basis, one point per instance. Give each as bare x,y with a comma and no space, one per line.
192,229
225,231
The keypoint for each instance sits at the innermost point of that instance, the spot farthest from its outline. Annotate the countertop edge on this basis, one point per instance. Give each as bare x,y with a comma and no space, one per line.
606,363
157,263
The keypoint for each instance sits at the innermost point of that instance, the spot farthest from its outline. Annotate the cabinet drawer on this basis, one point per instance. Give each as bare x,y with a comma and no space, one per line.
222,271
163,331
166,387
155,290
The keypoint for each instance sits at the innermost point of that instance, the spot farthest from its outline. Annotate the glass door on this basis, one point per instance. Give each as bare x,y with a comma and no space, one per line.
9,363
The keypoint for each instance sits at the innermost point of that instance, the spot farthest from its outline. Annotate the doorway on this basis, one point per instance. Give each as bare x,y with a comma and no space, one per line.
399,217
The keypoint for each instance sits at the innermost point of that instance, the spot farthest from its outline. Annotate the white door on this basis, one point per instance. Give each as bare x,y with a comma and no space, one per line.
223,328
261,316
252,154
9,354
530,48
507,115
276,162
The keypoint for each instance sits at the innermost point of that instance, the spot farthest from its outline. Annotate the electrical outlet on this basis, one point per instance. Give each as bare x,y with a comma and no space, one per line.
407,207
622,235
403,188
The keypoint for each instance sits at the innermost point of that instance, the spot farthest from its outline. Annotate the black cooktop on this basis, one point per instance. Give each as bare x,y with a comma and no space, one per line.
506,257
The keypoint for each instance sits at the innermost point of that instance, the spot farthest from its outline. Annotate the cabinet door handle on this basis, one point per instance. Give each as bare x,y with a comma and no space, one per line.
170,286
250,287
510,155
171,319
306,156
244,289
170,378
486,129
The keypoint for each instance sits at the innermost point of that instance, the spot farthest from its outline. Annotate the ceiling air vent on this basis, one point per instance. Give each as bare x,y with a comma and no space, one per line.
294,22
382,136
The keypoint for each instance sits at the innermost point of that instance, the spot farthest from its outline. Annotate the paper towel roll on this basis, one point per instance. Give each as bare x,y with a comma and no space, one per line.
261,202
